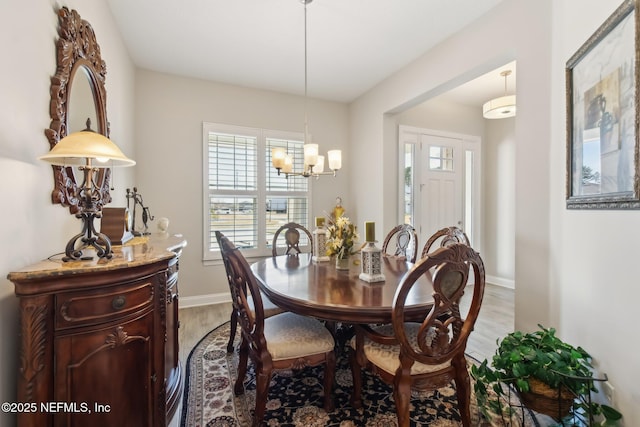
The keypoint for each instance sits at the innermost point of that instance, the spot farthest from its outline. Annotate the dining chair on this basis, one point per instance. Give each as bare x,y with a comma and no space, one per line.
446,237
291,235
402,240
286,341
270,309
430,354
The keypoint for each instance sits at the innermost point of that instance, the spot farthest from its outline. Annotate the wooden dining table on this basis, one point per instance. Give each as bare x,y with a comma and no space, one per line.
298,284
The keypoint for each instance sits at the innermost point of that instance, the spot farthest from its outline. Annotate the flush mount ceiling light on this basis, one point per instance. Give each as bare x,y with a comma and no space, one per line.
502,107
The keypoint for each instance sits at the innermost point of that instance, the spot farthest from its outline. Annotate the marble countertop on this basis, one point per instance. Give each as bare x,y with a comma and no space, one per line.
137,251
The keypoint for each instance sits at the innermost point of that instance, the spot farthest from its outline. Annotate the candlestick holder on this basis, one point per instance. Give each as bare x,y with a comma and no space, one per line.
371,260
320,242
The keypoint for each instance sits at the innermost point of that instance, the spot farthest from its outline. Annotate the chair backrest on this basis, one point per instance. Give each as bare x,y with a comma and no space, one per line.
446,237
402,240
245,293
444,331
291,238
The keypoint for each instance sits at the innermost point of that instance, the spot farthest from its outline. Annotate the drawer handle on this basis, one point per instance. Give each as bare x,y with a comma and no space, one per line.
118,302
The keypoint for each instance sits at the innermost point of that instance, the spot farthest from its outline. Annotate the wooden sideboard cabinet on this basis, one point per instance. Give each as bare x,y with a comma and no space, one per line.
99,338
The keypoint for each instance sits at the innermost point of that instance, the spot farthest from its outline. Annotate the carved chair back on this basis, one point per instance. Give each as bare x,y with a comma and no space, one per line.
430,353
245,293
292,239
402,240
446,236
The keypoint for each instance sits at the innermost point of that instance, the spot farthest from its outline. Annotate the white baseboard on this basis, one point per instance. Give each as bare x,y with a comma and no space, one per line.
499,281
200,300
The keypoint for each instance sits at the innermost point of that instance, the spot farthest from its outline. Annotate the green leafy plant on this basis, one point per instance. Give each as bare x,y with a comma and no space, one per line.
522,358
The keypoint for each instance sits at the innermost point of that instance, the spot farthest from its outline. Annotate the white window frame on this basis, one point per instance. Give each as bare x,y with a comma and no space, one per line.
211,251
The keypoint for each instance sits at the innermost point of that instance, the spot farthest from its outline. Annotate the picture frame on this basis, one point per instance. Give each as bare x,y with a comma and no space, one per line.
602,116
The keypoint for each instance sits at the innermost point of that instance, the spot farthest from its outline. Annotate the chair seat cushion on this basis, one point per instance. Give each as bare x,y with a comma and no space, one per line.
387,357
269,308
291,335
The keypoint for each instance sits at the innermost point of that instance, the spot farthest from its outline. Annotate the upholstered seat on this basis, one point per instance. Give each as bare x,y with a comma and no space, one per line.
387,357
290,336
429,354
284,341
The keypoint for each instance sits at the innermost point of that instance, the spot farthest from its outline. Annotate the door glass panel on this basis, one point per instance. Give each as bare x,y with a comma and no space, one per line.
409,162
468,194
440,158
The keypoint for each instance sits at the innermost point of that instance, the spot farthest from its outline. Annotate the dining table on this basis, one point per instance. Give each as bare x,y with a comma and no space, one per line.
301,285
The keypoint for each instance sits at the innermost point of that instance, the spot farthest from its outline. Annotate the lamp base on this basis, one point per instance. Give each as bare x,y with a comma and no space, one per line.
89,238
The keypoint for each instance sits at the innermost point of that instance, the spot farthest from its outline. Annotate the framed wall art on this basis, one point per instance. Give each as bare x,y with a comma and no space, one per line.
602,116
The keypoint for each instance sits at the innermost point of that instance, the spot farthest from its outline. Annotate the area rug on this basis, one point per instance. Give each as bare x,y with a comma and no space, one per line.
295,397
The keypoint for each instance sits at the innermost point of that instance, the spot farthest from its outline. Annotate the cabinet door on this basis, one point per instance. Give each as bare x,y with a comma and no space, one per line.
108,373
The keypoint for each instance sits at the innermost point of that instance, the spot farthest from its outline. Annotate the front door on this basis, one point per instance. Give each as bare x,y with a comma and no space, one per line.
441,183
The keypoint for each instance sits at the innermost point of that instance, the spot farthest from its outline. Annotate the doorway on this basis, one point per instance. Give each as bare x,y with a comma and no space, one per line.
440,180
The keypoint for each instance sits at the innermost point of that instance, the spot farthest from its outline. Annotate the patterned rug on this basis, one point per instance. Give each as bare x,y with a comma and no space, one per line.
295,398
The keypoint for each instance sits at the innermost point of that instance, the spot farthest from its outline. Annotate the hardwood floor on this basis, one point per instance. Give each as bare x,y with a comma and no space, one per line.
495,321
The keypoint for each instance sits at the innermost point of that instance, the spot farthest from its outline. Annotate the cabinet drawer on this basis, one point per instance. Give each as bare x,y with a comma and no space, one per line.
103,305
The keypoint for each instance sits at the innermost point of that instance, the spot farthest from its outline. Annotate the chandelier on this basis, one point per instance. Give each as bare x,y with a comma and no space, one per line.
502,107
313,163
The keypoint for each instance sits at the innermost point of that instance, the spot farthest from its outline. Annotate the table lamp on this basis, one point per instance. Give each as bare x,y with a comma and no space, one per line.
80,149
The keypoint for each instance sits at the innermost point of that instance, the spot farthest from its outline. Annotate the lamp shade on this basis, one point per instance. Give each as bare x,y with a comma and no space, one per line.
75,148
500,108
335,159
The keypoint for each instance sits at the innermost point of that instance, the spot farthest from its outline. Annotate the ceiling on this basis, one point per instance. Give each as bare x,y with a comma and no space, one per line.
352,45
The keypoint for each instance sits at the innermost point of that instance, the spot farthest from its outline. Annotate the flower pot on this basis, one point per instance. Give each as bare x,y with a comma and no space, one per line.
553,402
342,263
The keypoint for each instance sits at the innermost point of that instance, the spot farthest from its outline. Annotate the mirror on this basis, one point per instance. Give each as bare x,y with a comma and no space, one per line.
77,94
81,102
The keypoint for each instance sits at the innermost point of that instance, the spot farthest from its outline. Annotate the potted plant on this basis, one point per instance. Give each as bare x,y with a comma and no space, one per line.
549,375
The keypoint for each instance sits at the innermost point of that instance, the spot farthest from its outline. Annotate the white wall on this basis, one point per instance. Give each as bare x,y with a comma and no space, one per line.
169,114
499,173
571,267
31,227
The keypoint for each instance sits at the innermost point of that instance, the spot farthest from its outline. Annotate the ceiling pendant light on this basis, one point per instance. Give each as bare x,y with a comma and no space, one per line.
502,107
313,163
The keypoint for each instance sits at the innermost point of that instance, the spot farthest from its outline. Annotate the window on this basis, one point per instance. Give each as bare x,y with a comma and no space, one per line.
440,158
244,197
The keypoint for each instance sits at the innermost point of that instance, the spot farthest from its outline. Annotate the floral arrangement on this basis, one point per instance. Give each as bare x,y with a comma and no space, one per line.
342,237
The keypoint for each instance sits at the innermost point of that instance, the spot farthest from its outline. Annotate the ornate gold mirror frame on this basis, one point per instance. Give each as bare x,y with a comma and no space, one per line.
78,59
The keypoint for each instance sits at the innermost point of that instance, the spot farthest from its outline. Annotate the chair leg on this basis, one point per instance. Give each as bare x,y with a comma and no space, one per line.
463,389
263,377
232,333
356,373
329,373
402,397
242,367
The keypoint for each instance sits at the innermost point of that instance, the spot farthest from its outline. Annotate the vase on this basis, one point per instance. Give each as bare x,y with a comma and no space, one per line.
342,263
